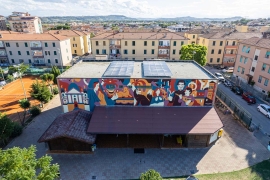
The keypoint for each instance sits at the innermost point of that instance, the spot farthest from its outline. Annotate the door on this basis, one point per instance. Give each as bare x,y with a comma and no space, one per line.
249,79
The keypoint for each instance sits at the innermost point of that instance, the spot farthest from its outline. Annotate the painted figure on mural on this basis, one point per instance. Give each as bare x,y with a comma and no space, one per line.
140,99
178,94
157,98
188,98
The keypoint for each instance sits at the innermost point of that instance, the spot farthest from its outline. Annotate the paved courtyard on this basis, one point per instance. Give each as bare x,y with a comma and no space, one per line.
237,149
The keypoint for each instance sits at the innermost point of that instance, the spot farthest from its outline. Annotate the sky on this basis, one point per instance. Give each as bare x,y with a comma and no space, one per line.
140,8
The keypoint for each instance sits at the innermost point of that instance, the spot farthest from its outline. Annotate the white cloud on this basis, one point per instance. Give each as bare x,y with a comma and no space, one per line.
140,8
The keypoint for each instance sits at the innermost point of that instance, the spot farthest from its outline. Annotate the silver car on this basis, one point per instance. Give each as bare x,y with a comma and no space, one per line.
265,109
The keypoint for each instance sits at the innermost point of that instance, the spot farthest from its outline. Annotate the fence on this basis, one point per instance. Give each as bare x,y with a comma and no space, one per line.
243,115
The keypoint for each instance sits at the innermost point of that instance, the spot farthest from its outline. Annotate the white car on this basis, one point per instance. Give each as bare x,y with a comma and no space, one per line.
265,109
228,70
219,76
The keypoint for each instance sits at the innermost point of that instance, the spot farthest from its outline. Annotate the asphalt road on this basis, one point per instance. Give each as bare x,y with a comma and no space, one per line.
257,117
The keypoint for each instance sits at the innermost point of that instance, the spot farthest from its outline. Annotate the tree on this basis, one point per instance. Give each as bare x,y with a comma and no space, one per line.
47,77
196,51
40,92
151,174
92,35
56,72
10,77
21,163
20,69
6,128
24,104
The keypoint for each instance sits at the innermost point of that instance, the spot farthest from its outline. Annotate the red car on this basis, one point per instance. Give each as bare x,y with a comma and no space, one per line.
249,97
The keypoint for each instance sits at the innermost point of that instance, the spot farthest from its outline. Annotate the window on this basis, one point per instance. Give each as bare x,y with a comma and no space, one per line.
96,43
145,51
214,43
244,49
28,53
266,82
133,43
182,43
49,53
125,51
219,51
126,43
267,54
17,44
67,50
25,44
12,60
104,43
74,39
263,67
103,51
133,51
238,69
97,51
260,79
10,53
53,44
133,58
145,43
21,61
241,58
56,61
246,60
231,52
67,58
256,57
243,71
7,45
153,51
179,51
213,51
221,43
19,53
54,52
173,51
211,60
218,59
75,51
193,42
29,61
233,43
193,36
248,50
253,69
46,44
227,43
153,43
49,61
174,43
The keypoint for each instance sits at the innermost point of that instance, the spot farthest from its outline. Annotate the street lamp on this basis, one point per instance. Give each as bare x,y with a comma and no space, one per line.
194,52
22,83
59,51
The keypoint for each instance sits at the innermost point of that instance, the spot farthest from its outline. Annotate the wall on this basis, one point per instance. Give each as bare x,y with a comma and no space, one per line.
177,48
100,46
66,52
87,43
66,144
197,141
79,42
88,93
216,48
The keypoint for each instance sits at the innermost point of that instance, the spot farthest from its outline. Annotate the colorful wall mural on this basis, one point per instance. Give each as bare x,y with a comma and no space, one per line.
88,93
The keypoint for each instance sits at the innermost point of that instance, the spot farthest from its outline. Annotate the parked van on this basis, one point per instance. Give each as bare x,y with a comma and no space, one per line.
228,70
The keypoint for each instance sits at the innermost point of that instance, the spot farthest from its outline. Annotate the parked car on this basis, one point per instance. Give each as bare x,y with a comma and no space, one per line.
265,109
228,70
237,90
249,98
227,83
220,77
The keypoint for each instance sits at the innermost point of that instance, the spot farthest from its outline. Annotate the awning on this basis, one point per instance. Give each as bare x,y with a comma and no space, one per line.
154,120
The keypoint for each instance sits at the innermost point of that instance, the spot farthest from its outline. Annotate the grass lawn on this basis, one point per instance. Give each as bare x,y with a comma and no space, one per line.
260,171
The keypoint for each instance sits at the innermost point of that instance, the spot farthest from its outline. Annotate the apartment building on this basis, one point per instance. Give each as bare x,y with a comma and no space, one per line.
3,26
34,49
80,41
252,63
139,45
24,22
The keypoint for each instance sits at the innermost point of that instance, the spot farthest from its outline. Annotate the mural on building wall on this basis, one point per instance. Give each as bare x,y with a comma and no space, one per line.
88,93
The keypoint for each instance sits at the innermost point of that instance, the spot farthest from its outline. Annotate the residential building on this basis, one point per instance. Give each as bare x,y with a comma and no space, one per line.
139,98
79,40
178,28
139,45
3,26
252,63
24,22
34,49
241,29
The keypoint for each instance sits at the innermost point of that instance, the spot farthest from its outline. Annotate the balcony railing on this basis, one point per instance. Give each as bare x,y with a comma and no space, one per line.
36,48
115,56
229,55
231,47
163,55
3,55
2,47
114,46
163,47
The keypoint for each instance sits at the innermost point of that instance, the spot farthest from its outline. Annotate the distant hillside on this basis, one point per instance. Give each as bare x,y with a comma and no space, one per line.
124,18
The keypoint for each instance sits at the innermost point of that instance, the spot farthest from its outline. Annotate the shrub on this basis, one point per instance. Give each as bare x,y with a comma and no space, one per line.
35,110
55,90
151,174
10,78
17,130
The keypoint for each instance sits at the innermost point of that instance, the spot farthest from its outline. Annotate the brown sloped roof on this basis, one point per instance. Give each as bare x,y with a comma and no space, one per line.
259,42
71,125
154,120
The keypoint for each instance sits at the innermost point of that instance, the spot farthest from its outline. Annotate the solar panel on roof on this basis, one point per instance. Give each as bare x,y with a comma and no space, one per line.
120,68
156,68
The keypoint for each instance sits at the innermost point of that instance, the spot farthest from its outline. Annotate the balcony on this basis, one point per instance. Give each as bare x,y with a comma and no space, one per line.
2,47
229,55
231,47
164,55
163,47
3,55
114,46
36,48
115,56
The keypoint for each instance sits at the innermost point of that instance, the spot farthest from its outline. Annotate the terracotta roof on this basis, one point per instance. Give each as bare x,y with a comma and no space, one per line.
240,36
32,37
8,32
154,120
70,125
68,33
255,41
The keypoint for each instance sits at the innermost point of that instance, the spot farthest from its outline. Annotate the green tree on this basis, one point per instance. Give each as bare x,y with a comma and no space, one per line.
40,92
21,163
24,104
151,174
56,72
92,35
47,77
6,128
10,77
193,50
20,69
